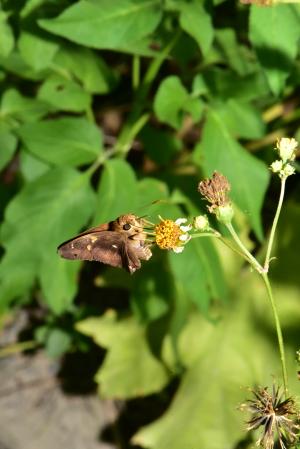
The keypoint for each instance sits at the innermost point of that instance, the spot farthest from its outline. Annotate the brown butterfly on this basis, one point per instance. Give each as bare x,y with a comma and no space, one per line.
119,243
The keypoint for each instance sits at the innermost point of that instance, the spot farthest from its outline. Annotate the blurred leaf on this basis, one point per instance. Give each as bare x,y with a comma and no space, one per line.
225,84
87,66
160,145
198,270
129,369
195,20
274,33
242,119
14,63
44,213
59,281
221,361
108,25
235,55
64,141
8,145
15,106
152,290
287,246
6,35
172,100
117,191
36,51
247,175
57,343
64,94
31,167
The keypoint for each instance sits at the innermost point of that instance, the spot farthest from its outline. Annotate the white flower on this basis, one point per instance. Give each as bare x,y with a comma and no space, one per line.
288,171
276,166
286,148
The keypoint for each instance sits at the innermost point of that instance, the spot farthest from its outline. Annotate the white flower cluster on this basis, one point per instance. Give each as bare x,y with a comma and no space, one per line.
286,148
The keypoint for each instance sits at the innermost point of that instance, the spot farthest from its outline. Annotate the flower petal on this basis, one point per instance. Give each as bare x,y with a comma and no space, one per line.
186,228
179,221
178,249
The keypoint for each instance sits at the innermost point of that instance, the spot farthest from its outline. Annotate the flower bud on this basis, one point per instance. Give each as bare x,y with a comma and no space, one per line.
288,170
201,223
276,166
224,214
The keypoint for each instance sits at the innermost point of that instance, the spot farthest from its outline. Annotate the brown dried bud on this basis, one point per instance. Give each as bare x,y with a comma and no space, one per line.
215,191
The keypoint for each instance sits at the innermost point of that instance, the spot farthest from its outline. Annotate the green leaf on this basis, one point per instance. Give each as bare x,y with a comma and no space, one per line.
15,106
152,290
14,63
172,100
106,24
117,191
129,369
87,66
238,57
247,175
195,20
274,33
6,35
43,214
160,146
57,343
221,361
8,145
58,295
225,84
198,270
152,198
37,52
242,119
31,167
64,141
64,94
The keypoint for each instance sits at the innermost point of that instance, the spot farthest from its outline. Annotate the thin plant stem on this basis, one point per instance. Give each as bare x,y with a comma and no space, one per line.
136,66
124,140
219,236
274,225
278,331
250,258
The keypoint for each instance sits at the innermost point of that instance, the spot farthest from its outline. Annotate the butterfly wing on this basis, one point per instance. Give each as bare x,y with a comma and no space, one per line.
108,247
102,246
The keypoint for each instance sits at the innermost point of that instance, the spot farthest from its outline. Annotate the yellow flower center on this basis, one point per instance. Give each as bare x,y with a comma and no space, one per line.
167,234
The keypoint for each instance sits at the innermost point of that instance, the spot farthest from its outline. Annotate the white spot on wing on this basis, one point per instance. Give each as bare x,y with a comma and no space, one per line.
89,247
115,246
93,238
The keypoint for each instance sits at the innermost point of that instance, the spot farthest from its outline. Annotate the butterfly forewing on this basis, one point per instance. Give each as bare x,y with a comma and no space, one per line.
103,246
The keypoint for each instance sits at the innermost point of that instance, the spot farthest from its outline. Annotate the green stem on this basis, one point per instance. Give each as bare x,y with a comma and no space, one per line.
124,141
136,66
125,145
249,256
278,331
274,225
219,236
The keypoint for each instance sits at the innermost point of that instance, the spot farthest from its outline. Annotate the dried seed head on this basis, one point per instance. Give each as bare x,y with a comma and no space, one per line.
215,191
278,417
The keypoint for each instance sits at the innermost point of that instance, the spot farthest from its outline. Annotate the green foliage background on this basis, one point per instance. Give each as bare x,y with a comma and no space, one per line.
108,107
